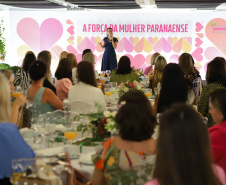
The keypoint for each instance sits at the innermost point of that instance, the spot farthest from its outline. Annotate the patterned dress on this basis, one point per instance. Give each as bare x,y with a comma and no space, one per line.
203,105
22,79
123,167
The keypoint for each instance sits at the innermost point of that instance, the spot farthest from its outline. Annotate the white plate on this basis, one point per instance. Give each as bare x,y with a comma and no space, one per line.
62,155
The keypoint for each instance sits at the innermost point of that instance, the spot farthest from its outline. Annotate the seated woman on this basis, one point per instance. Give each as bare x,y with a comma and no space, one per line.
217,104
183,147
86,89
215,78
186,63
45,57
89,57
160,63
72,59
44,98
21,77
174,88
150,69
124,71
12,144
63,76
19,100
128,158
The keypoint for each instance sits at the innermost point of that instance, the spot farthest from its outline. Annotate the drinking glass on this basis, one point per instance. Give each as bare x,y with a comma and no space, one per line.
113,85
70,134
102,74
147,92
108,72
107,92
17,91
99,85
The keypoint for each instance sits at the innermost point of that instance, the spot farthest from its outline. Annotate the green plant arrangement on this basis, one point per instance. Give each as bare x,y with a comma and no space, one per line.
2,41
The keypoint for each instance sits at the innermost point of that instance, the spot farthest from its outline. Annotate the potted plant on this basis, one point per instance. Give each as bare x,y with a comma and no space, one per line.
2,41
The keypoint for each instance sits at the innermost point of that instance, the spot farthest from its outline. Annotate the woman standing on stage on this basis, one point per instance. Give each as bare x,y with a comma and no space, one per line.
109,61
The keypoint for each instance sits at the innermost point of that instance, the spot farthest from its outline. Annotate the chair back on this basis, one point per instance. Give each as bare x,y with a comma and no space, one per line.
196,87
82,107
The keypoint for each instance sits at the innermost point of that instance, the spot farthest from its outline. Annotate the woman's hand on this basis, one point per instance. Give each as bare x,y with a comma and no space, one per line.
101,45
20,100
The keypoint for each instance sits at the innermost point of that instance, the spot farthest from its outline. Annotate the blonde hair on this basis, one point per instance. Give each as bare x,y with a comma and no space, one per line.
5,108
72,59
89,57
45,57
63,54
7,73
153,57
160,63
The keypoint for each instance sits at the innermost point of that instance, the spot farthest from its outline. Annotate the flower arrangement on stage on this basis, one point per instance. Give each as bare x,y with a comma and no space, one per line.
129,85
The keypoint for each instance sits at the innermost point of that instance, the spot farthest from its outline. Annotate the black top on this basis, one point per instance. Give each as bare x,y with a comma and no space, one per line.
47,84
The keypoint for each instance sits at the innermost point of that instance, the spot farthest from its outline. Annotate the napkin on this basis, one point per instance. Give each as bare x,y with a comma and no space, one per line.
86,158
49,151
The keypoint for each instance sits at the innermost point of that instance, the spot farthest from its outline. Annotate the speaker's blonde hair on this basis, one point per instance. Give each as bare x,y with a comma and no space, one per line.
5,107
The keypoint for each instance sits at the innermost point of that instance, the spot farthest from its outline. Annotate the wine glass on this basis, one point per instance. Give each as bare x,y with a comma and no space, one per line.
108,72
99,85
70,134
17,91
147,92
113,85
107,92
102,74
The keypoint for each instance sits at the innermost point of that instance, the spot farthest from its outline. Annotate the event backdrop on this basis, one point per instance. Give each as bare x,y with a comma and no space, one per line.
201,33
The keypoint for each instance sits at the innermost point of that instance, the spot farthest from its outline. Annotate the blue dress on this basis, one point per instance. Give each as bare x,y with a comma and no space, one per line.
109,61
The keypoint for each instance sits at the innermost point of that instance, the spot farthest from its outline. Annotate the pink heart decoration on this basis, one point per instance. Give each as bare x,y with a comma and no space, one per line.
174,58
79,57
55,52
205,66
28,30
212,52
162,44
177,47
99,48
200,35
150,39
124,44
170,40
71,30
189,39
139,46
93,40
137,61
131,39
198,42
148,59
199,27
218,39
71,49
42,38
84,44
69,22
197,54
144,66
51,31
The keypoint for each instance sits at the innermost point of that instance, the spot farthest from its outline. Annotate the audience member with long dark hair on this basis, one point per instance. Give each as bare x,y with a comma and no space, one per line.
183,146
12,144
173,89
215,78
63,76
44,98
124,71
128,158
21,77
45,57
86,88
217,109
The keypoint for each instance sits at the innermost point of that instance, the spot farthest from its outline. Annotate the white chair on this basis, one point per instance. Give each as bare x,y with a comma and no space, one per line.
82,106
196,87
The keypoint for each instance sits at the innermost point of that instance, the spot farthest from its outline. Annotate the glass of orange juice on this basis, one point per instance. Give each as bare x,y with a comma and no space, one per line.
17,91
70,134
99,85
102,74
107,92
147,92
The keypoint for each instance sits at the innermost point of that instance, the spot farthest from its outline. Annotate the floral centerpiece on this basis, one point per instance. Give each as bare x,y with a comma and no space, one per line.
129,85
138,71
102,123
